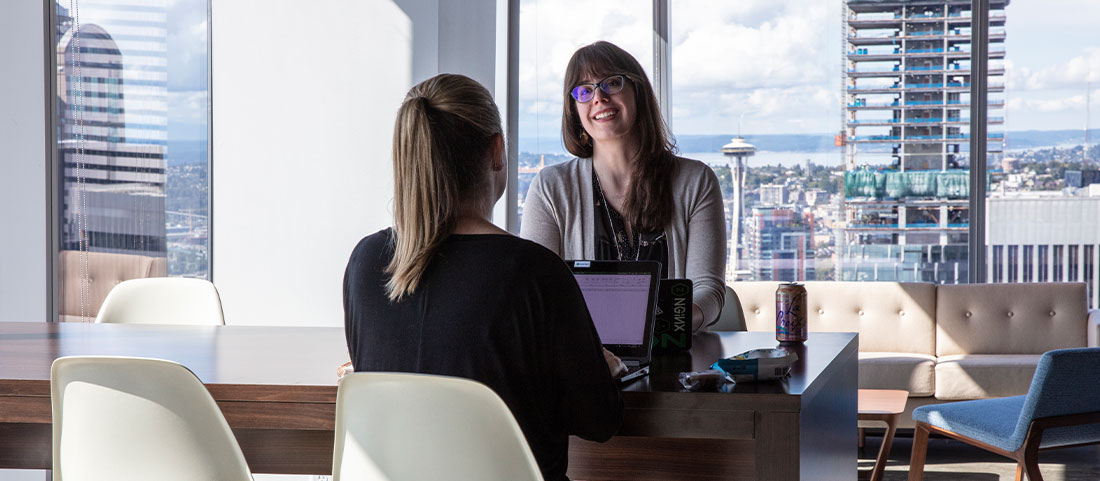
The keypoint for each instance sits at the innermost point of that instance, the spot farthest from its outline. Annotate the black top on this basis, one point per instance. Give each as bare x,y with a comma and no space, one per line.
497,309
610,235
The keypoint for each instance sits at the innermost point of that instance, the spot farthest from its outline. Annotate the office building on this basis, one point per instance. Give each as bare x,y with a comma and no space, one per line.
906,135
773,194
112,128
1049,237
1082,178
780,244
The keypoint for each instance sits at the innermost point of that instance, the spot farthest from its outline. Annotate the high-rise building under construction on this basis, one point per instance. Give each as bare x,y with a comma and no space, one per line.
906,136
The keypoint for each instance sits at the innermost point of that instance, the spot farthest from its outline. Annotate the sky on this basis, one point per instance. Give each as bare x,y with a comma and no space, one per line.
773,66
188,61
754,66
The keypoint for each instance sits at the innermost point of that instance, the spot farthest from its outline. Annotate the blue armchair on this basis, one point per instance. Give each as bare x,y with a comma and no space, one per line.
1061,409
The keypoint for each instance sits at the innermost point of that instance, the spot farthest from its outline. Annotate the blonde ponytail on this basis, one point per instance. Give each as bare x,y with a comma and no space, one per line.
442,135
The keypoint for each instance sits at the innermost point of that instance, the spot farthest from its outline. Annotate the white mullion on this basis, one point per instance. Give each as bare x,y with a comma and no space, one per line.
662,59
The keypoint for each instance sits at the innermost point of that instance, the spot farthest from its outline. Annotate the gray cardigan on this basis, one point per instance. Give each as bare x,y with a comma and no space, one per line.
558,214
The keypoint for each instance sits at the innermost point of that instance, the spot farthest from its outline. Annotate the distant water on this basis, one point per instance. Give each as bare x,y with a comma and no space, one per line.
786,159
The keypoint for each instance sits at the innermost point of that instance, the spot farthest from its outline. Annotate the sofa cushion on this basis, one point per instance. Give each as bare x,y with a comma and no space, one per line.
898,370
1009,318
889,316
103,271
979,376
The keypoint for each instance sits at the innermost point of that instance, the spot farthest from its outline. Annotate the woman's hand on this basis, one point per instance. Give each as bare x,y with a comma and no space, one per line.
344,370
614,365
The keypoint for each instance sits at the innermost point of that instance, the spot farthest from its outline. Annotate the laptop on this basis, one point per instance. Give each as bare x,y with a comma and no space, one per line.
622,298
672,328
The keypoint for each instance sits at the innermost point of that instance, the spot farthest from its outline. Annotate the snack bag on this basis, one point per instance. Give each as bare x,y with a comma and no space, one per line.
757,365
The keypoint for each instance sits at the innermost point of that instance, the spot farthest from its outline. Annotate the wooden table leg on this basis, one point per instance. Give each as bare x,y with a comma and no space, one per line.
884,450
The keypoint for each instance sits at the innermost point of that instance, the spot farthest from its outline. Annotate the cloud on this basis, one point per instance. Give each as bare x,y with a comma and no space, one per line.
1062,104
1071,73
717,47
778,59
188,56
188,106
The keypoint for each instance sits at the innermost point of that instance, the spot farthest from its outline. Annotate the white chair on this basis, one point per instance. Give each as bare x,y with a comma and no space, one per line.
122,419
404,427
162,300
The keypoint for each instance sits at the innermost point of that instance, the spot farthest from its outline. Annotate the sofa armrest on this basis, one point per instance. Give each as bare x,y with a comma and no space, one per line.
1094,328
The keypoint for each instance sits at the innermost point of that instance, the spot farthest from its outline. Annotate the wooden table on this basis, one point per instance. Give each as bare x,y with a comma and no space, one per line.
275,385
277,389
882,405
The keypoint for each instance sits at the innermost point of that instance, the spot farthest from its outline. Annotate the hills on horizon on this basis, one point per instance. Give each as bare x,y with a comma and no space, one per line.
1014,140
183,152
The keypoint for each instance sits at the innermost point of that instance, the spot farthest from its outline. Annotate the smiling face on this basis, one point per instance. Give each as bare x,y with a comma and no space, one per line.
607,117
630,115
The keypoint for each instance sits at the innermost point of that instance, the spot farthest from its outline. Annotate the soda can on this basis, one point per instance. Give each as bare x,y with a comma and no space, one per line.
790,313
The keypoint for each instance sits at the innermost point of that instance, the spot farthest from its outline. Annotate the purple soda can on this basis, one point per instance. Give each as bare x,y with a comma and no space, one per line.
790,313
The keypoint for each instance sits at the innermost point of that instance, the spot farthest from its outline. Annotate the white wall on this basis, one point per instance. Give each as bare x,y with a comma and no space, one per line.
304,96
23,213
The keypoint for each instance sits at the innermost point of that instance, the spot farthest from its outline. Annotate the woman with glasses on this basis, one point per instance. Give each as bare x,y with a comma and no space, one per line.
444,291
627,195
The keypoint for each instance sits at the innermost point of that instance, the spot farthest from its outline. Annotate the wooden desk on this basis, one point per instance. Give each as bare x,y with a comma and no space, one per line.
277,389
801,428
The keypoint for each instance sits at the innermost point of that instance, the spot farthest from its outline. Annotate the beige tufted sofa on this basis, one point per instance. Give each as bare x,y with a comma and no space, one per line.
939,342
104,271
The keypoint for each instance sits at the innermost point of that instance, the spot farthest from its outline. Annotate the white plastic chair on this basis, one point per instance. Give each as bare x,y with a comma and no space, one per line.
404,427
162,300
121,419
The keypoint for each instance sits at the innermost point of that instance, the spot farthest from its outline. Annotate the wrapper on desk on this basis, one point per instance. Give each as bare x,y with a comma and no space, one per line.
757,365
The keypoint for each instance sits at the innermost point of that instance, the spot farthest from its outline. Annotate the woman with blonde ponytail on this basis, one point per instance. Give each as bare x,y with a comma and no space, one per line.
445,291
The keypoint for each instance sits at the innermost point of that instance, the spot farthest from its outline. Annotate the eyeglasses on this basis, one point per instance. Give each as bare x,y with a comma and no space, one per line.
612,85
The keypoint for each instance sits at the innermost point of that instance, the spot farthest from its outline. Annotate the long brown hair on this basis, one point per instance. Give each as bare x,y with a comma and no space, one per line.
443,133
649,203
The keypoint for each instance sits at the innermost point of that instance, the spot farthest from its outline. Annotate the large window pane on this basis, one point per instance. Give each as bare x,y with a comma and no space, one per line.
133,161
907,131
1045,186
761,82
550,31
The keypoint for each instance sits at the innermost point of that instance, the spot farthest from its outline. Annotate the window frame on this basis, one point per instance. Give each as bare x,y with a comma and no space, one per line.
54,169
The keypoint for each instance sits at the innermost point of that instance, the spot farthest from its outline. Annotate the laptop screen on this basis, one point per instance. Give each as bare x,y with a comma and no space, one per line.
619,304
621,297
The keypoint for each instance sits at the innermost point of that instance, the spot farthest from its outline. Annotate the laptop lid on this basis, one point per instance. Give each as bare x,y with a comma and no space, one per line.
621,297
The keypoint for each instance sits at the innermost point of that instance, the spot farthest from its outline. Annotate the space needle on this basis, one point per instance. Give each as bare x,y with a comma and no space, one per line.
737,151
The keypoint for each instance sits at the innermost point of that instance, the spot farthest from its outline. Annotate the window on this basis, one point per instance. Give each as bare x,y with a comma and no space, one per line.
1071,264
998,265
550,31
133,162
1039,178
1044,263
754,94
1090,274
1028,274
1013,263
1059,263
876,148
